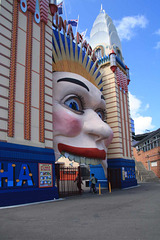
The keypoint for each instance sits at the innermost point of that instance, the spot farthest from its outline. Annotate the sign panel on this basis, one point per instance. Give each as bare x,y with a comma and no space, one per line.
45,175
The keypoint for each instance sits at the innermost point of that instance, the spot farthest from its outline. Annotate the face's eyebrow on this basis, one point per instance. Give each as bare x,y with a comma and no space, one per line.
75,81
102,97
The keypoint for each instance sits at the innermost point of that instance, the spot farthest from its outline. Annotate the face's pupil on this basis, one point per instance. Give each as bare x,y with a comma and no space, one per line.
100,115
74,106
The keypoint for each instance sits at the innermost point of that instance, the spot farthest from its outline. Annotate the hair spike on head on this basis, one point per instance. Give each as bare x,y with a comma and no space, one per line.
71,49
62,46
93,68
89,64
69,57
66,47
80,55
55,57
85,58
76,52
57,47
98,80
96,72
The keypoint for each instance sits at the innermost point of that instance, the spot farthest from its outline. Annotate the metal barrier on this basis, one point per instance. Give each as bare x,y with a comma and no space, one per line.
68,180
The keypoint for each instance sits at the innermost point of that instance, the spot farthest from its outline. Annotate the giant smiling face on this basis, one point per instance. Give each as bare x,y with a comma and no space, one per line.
79,128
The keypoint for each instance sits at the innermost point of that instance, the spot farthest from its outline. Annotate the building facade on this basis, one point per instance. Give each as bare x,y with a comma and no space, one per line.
147,151
26,125
107,46
26,141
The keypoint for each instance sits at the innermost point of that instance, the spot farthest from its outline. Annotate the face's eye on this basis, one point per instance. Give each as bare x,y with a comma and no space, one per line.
101,113
75,104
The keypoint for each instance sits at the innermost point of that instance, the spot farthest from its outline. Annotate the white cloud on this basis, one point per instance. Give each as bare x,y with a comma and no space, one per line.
158,32
147,106
127,25
142,123
135,105
157,45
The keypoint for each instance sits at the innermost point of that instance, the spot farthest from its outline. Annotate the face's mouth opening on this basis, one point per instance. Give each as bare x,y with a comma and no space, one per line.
88,156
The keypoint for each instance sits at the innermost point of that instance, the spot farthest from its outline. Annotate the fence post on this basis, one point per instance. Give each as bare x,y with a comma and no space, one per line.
109,187
79,179
99,189
57,172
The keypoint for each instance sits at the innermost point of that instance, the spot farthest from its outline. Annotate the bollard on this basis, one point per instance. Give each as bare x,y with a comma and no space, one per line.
109,187
99,189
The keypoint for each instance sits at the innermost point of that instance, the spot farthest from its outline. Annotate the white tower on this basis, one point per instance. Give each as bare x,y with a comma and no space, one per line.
105,41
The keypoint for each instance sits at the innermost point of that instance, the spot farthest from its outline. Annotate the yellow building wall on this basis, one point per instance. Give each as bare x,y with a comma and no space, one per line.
118,115
26,50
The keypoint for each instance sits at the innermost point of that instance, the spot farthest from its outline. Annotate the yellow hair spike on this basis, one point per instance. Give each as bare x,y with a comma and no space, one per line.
76,52
98,80
93,68
57,48
66,47
67,57
80,55
62,47
85,58
55,55
71,49
96,72
89,64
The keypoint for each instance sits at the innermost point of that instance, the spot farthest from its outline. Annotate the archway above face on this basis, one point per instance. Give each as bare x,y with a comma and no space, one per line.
79,113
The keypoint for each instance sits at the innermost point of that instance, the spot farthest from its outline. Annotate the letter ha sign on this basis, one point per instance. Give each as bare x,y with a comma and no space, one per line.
8,175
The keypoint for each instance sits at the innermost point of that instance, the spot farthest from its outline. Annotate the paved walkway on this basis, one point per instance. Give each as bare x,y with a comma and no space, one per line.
132,214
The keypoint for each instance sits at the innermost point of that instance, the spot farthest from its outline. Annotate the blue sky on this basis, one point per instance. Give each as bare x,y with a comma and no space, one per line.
138,26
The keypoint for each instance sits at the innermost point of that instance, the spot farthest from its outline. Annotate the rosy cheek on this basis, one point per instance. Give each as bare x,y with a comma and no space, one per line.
66,124
109,139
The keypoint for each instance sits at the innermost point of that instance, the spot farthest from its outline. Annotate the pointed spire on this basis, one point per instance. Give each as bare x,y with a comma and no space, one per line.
101,8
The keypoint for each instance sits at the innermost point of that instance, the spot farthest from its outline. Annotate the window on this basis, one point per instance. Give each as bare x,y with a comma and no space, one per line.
153,164
98,53
119,54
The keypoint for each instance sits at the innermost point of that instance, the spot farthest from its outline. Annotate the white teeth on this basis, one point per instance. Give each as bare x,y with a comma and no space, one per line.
66,155
77,159
81,160
88,160
71,157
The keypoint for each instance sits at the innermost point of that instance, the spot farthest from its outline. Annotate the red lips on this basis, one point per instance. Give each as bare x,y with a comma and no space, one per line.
83,152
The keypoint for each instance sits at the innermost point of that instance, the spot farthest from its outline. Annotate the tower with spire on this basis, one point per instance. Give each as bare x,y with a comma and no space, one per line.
105,41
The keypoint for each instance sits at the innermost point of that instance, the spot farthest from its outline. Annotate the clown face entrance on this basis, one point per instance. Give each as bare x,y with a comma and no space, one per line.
68,180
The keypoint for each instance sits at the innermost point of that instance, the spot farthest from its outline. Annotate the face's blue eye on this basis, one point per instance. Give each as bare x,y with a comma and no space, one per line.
101,114
74,103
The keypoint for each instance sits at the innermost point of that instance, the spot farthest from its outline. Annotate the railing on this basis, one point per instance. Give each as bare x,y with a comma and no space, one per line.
68,180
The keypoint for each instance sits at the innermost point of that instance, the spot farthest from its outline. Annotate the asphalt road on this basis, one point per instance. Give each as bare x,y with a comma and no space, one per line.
132,214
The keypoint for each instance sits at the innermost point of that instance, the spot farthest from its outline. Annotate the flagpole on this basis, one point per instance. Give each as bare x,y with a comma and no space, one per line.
85,34
65,11
77,26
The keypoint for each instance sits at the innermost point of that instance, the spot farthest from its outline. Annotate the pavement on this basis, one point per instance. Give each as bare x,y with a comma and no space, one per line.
132,214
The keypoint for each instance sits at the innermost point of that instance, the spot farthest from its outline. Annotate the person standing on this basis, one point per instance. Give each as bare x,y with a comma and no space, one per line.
93,183
79,182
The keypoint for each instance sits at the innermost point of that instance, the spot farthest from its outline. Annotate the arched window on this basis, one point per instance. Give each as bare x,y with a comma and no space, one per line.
119,54
98,53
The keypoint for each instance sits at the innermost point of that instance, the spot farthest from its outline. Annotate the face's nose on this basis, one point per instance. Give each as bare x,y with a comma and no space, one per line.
93,125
